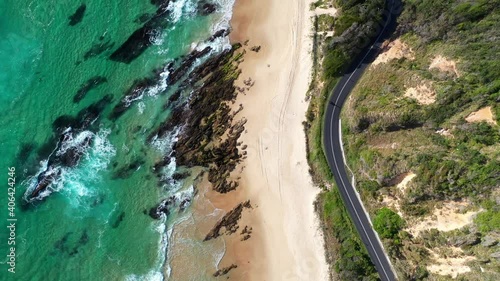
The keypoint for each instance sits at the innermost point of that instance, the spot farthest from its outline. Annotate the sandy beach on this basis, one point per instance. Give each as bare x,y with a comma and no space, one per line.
286,242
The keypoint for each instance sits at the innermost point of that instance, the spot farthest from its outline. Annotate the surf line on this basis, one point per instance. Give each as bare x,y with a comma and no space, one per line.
11,219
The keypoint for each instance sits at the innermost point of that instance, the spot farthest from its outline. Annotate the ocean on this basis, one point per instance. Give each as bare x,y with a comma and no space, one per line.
92,221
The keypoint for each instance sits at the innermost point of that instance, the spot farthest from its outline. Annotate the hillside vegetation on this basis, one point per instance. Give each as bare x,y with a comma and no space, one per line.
422,136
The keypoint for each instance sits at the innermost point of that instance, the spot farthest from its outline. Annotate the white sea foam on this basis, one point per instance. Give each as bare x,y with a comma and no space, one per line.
176,10
160,86
140,107
150,276
77,182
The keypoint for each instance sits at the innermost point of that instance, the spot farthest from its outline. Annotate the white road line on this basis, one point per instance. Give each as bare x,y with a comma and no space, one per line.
352,204
333,151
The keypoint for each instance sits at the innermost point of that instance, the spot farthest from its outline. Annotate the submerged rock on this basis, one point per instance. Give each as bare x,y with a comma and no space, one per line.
97,49
78,15
92,83
127,171
143,37
133,94
84,119
118,220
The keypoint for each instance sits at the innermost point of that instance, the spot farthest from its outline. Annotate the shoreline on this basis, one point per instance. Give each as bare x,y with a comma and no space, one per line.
275,174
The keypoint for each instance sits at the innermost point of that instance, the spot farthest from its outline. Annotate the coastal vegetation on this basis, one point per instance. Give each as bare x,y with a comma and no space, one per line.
413,139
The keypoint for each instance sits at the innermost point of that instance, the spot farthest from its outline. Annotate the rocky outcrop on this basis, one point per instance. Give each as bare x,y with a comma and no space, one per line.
162,208
177,73
219,34
166,205
468,240
77,17
489,241
75,138
208,137
85,119
133,94
92,83
68,154
225,270
206,8
229,222
143,37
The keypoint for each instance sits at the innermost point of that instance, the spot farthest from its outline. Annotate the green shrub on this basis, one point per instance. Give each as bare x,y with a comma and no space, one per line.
387,223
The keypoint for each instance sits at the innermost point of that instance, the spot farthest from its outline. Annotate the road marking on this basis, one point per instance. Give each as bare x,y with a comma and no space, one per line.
352,204
333,151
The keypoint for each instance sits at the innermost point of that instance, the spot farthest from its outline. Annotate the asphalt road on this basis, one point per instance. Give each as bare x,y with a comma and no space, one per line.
334,154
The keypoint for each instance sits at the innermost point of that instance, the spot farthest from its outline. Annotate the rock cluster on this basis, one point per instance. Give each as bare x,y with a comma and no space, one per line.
229,222
225,270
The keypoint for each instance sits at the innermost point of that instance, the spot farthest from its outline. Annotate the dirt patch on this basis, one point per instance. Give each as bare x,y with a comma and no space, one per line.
446,218
452,264
423,93
403,184
445,65
445,132
483,114
394,50
394,201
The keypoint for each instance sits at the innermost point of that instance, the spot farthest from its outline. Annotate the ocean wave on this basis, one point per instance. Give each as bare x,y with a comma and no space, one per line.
77,183
150,276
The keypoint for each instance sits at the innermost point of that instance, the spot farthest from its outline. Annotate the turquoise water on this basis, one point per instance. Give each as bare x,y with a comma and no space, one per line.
91,225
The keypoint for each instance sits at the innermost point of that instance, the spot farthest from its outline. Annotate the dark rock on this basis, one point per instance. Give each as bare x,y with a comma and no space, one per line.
206,8
159,3
84,239
127,171
44,179
468,240
218,34
61,243
180,175
184,204
225,270
97,49
67,154
135,91
143,37
229,222
144,18
25,150
186,64
84,119
162,163
118,220
78,15
92,83
162,208
255,49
